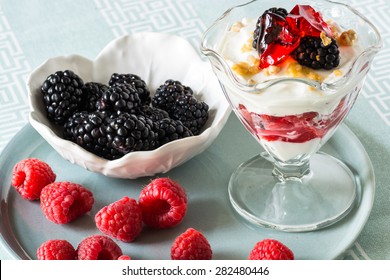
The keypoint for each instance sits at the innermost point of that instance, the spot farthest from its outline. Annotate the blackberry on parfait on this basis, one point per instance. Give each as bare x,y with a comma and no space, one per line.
313,53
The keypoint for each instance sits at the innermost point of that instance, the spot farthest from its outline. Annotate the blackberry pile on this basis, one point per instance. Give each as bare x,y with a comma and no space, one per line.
121,117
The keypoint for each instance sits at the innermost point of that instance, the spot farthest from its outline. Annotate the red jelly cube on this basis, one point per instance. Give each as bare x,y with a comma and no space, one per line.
276,39
307,21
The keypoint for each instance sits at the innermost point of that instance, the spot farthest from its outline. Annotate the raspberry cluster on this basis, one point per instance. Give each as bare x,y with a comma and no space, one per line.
94,247
161,204
61,202
121,117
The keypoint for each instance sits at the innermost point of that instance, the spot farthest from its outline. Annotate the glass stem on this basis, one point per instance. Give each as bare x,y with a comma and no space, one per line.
291,171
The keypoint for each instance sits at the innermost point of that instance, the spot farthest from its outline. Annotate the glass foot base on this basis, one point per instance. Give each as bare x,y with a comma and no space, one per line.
315,201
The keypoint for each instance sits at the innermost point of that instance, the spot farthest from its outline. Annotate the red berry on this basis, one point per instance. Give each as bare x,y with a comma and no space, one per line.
30,176
191,245
98,247
121,219
124,257
270,249
163,203
56,250
62,202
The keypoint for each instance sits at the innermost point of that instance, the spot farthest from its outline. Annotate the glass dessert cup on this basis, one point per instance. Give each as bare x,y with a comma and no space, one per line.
291,186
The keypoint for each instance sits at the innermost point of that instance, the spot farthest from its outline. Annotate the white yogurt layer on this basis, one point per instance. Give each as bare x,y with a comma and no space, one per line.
286,150
285,98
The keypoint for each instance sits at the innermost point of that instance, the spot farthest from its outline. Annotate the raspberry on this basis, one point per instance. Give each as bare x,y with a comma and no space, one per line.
56,250
62,202
270,249
124,257
30,176
98,247
163,203
191,245
121,220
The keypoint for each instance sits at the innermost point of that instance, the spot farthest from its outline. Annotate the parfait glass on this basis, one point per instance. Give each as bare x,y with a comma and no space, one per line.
290,185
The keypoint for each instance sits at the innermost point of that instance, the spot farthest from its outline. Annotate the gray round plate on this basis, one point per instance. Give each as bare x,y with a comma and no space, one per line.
24,228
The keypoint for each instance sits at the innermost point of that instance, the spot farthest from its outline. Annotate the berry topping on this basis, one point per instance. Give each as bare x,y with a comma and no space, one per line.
270,249
313,53
63,95
30,176
276,38
136,82
163,203
98,247
62,202
121,219
308,21
279,11
191,245
56,250
278,33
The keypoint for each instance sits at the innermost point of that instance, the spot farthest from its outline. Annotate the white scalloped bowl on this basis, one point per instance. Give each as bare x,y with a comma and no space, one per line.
155,57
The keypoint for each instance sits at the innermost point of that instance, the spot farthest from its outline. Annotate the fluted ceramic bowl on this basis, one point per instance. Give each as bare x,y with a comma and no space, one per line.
155,57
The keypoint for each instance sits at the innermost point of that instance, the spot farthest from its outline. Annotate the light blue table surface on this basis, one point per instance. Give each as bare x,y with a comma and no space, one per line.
33,30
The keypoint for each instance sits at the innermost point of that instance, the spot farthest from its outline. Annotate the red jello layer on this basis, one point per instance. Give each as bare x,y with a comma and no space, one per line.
292,128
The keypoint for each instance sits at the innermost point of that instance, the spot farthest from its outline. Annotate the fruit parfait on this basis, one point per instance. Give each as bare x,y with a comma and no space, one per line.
291,72
291,119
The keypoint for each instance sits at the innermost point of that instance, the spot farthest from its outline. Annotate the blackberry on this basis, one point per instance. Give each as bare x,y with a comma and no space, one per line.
191,112
62,95
277,11
120,98
88,130
136,82
312,53
93,92
166,94
169,130
131,133
155,114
